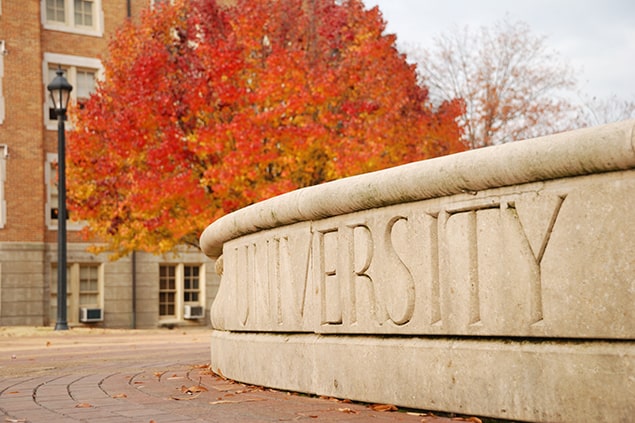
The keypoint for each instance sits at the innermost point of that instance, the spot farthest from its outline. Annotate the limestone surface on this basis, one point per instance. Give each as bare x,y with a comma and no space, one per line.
514,263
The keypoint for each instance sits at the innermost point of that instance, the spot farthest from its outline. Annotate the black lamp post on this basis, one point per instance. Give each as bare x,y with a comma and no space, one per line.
60,91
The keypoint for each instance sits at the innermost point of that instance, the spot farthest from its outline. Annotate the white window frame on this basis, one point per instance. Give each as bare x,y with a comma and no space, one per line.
4,154
180,290
75,270
3,49
51,223
96,30
153,2
72,289
72,63
177,304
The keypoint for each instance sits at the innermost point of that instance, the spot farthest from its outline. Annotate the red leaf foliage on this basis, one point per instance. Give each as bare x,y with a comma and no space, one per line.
207,108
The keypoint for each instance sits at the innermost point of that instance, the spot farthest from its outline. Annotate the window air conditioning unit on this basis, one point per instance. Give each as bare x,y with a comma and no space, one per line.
89,315
193,312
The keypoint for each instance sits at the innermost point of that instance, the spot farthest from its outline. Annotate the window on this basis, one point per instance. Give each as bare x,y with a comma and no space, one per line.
3,49
55,11
53,287
4,149
82,80
4,153
81,72
83,13
52,198
88,285
84,288
52,203
179,285
158,2
85,81
77,16
167,291
190,283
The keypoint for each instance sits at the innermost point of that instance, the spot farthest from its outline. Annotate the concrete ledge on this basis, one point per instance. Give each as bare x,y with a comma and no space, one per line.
549,259
415,285
549,381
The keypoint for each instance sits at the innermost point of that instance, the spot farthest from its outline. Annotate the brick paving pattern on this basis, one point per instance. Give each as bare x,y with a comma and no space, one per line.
147,376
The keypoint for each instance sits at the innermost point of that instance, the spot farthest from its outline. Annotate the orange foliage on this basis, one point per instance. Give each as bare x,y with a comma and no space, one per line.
206,109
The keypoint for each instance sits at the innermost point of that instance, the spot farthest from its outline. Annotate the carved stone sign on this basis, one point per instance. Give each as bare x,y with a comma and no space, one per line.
495,263
498,282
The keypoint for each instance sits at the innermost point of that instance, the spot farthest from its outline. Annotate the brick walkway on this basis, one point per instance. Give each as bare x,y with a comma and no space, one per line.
146,376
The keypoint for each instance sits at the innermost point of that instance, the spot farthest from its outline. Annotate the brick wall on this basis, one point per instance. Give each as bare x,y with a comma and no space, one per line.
24,92
22,127
26,242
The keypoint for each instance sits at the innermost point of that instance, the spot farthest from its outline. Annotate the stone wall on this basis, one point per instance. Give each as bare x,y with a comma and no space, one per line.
28,286
498,282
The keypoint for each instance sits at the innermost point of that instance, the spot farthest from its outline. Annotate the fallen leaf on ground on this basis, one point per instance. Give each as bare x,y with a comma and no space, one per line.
83,405
252,389
237,401
348,410
193,389
383,407
120,396
327,398
467,419
224,388
188,398
311,416
201,366
220,374
158,374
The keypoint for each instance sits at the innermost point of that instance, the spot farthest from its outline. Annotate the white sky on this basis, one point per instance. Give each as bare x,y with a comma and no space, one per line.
596,37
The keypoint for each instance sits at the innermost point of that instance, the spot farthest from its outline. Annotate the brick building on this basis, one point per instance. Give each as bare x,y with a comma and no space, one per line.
37,36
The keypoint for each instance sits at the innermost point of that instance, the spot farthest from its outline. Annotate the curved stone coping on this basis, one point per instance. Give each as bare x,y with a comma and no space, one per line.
591,150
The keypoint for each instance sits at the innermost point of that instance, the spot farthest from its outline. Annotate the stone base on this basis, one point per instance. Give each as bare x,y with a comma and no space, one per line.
530,380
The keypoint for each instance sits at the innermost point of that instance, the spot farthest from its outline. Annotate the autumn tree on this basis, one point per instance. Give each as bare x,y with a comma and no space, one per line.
599,111
207,108
513,87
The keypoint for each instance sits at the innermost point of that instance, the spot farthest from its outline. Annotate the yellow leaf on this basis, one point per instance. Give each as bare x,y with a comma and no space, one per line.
201,366
383,407
83,405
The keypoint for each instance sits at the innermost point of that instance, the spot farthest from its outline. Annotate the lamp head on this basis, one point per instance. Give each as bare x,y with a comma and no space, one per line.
60,91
